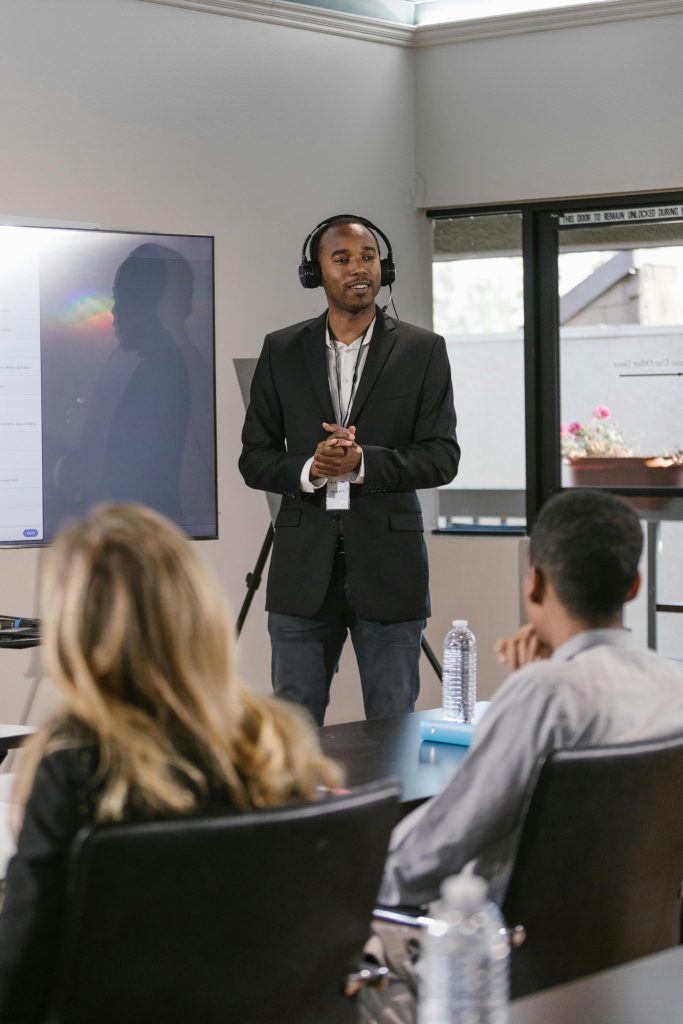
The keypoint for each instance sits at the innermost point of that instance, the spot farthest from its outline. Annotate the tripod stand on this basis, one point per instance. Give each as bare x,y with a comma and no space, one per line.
253,582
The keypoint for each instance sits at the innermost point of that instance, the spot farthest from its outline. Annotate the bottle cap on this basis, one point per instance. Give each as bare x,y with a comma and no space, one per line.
467,892
459,623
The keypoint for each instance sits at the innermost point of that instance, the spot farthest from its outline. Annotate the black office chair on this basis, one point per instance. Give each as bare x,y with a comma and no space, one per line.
597,875
251,919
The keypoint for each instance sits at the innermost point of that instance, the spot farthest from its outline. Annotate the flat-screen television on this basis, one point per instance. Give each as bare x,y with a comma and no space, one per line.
107,383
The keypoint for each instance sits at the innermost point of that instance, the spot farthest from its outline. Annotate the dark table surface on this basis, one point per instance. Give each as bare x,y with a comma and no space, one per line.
392,748
17,632
647,991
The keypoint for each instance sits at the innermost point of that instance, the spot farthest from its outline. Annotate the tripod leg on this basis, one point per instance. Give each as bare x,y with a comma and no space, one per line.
253,580
431,657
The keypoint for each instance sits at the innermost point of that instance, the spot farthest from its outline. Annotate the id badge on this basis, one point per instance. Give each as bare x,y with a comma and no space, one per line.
338,497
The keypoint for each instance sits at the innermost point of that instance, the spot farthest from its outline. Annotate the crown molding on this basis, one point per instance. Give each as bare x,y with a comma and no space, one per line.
543,21
293,15
375,30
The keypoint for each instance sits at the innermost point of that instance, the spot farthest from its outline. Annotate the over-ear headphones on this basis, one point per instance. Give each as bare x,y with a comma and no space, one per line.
309,269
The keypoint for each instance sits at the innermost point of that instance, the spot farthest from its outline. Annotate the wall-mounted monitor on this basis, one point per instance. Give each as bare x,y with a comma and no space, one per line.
107,382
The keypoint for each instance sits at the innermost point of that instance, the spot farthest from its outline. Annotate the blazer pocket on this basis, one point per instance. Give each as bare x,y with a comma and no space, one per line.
406,521
288,517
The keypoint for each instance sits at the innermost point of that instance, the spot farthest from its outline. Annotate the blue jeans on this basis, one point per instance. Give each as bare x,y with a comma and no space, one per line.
306,653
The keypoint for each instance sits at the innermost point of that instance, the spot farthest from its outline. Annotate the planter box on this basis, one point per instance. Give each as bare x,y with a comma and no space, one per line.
628,471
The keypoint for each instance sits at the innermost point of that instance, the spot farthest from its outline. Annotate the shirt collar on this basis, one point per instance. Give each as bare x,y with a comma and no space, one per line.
592,638
354,344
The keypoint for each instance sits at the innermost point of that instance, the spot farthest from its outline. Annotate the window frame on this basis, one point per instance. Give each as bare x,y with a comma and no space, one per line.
540,250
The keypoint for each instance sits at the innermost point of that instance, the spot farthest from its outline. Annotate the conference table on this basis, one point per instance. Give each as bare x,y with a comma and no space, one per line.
393,748
379,749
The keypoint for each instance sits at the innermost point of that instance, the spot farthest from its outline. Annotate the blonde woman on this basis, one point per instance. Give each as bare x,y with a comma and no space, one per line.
138,639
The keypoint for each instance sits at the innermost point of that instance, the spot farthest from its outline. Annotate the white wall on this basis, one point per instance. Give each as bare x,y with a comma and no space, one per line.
573,112
145,117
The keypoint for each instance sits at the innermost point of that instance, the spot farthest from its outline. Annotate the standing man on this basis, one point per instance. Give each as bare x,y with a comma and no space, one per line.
350,414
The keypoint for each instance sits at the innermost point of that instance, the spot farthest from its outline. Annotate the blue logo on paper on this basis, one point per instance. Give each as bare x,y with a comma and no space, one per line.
30,533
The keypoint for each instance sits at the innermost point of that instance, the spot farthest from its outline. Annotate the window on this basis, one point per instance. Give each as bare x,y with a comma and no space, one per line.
564,325
479,308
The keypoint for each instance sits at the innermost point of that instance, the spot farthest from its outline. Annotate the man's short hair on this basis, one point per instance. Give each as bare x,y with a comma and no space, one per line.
344,219
588,545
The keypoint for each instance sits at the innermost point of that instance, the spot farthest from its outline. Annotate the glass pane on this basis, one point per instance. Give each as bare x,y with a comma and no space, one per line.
621,358
479,308
621,386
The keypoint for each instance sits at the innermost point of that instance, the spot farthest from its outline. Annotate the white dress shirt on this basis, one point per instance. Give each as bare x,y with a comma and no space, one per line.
341,364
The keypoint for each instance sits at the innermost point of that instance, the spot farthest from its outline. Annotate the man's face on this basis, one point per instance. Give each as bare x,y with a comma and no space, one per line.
350,267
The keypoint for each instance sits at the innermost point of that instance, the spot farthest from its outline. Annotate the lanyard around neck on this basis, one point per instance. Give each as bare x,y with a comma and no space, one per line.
344,416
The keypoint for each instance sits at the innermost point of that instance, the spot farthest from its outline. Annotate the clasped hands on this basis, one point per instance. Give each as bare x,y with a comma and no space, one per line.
338,454
521,648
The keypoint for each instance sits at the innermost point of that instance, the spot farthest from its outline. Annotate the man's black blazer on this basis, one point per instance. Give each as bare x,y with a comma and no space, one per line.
405,422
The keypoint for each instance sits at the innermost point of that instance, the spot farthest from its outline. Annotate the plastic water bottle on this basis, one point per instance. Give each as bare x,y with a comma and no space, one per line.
459,673
464,971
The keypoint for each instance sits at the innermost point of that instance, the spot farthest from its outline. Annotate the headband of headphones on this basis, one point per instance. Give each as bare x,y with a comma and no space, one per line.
309,268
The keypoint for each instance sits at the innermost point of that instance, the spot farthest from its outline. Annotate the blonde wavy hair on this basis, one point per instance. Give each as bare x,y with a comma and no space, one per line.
138,638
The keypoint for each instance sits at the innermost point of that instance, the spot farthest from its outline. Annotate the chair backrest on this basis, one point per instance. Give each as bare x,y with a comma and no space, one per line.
597,874
252,918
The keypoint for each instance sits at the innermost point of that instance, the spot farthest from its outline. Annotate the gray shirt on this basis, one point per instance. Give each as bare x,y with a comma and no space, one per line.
596,689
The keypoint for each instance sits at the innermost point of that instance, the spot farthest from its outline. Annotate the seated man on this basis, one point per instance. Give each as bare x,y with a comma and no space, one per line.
580,681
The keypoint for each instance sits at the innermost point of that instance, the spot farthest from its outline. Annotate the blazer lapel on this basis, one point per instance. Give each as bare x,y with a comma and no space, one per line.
381,343
315,352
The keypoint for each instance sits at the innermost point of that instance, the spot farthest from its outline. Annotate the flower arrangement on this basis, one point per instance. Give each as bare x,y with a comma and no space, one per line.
598,439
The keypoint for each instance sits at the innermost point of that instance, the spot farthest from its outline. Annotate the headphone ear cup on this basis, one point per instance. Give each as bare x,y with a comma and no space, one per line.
388,271
309,274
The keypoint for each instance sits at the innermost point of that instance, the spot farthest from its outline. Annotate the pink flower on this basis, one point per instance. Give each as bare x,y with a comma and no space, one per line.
601,412
574,428
564,430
